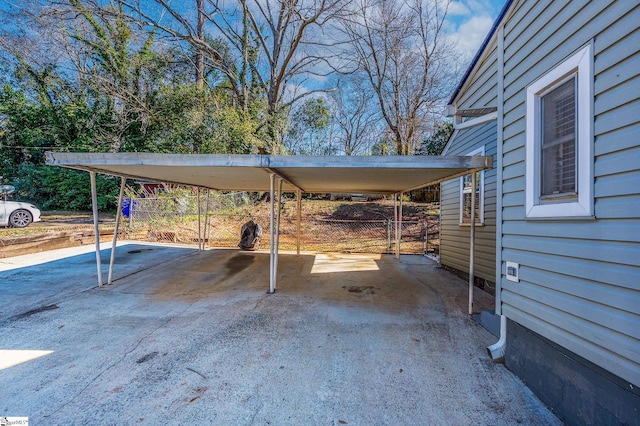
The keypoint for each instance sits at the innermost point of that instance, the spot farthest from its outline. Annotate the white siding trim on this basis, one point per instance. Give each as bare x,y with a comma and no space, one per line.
476,121
581,64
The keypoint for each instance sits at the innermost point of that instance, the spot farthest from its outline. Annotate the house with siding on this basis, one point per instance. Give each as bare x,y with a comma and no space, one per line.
554,95
474,109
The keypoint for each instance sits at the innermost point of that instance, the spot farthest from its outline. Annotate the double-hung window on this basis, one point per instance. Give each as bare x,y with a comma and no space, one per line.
559,140
465,195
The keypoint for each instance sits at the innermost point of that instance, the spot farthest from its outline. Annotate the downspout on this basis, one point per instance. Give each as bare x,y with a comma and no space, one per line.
498,350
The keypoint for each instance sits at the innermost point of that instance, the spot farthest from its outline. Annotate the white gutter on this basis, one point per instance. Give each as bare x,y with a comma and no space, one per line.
476,121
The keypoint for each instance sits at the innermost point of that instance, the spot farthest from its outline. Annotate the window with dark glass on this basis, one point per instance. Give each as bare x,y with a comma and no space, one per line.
558,143
466,199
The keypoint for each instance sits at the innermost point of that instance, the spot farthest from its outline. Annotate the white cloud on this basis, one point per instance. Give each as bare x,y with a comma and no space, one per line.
457,8
472,33
470,22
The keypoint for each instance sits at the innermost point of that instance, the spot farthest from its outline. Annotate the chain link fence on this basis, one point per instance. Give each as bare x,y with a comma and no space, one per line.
176,220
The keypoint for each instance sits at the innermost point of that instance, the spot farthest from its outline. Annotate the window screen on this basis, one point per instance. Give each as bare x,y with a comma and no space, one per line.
558,159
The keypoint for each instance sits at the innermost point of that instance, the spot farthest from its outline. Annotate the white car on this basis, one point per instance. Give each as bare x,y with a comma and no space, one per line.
17,214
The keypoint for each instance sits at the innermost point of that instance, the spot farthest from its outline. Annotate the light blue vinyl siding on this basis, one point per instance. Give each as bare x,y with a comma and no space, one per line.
482,88
579,279
454,238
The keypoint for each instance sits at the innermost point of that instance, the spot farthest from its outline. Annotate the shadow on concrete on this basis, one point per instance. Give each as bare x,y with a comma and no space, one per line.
378,281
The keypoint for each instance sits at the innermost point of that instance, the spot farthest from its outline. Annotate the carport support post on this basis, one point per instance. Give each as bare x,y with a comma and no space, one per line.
472,241
275,270
395,223
399,228
94,205
206,220
123,181
299,197
199,225
272,287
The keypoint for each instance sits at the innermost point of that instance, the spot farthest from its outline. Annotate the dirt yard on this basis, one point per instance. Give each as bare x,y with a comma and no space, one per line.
342,226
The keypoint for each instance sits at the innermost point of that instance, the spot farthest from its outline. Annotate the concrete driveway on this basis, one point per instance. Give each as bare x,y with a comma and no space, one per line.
187,337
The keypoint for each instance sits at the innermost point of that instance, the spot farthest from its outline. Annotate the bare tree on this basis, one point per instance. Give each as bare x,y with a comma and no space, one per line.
32,34
399,45
356,115
199,51
276,43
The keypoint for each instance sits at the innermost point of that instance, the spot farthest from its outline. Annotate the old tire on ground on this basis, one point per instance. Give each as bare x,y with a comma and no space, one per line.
20,219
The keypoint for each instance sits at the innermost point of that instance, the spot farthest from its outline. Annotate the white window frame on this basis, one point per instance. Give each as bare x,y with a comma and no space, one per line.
579,64
480,210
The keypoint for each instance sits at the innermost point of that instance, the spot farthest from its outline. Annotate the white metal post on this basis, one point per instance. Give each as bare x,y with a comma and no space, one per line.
299,196
399,227
395,223
199,225
94,205
472,241
206,221
275,270
272,289
123,181
425,246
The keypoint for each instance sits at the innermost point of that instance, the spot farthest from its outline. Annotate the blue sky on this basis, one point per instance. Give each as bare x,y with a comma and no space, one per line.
470,22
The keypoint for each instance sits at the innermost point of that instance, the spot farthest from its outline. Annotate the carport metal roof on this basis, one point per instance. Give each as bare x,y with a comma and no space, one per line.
337,174
323,174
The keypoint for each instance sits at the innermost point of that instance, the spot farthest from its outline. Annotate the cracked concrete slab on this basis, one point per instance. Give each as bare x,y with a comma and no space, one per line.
195,339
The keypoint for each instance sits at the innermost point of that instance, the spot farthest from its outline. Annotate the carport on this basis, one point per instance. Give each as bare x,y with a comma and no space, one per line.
389,175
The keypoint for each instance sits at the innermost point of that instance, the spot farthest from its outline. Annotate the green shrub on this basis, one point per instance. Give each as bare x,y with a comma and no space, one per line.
57,188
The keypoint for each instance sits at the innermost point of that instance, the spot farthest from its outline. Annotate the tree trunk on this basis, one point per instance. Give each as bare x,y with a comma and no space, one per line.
199,51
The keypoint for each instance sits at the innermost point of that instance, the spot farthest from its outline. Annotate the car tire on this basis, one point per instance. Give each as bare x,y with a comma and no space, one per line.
20,219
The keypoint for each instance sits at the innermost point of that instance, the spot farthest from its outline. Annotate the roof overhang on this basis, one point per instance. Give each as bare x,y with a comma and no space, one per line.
322,174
